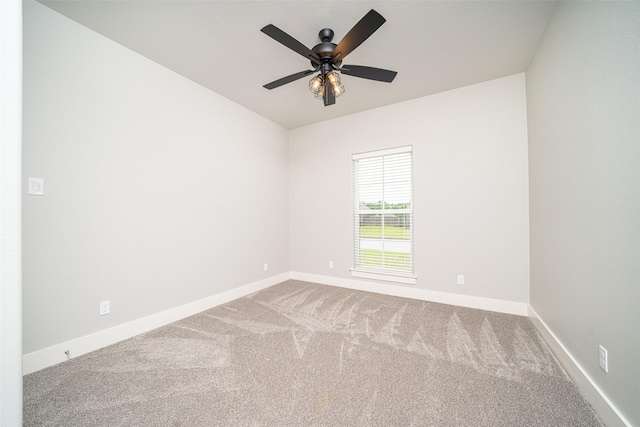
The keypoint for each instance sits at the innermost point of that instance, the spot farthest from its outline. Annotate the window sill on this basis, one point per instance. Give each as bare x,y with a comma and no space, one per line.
387,277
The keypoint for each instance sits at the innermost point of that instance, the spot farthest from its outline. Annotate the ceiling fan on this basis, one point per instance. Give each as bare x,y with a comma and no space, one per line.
327,57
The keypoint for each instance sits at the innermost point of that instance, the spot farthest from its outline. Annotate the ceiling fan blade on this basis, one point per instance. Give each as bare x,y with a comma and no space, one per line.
281,37
370,73
288,79
359,33
329,96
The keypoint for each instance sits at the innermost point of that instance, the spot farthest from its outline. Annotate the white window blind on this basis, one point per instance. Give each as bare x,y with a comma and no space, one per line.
383,214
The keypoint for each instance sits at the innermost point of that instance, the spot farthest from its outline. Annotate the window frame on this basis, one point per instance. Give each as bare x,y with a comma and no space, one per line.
381,273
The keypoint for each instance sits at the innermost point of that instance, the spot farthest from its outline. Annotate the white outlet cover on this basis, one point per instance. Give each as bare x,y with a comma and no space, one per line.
105,307
36,187
460,279
603,358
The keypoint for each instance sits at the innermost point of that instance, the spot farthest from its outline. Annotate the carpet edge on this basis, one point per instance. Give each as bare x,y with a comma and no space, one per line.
397,290
55,354
607,411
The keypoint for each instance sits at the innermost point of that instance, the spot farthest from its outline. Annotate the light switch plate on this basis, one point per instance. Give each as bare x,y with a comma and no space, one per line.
36,187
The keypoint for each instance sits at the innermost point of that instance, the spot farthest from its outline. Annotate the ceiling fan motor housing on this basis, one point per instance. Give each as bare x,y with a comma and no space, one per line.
325,49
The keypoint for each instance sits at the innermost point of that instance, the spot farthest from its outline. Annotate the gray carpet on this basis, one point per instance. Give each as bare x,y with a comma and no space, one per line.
303,354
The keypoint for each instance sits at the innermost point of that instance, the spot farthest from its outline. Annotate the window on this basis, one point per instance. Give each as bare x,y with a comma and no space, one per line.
383,215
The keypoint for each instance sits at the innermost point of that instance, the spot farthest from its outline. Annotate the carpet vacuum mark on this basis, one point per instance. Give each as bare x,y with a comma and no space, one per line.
303,354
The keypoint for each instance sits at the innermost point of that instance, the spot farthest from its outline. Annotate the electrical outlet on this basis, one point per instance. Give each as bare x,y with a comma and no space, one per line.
266,266
330,264
105,307
603,358
460,279
36,186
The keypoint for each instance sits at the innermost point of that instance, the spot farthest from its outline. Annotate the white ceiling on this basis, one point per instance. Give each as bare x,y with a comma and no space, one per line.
433,45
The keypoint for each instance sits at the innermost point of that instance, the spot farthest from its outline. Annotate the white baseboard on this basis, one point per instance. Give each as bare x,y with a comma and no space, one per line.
53,355
50,356
501,306
607,411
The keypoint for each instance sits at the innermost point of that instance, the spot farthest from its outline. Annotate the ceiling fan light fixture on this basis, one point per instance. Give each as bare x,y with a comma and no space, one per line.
336,85
319,94
316,86
338,89
333,77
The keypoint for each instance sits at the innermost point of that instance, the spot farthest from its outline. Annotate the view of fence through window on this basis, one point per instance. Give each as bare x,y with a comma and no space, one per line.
383,210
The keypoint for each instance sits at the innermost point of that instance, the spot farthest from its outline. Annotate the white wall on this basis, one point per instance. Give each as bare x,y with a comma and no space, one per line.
148,177
470,188
158,192
10,166
583,92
